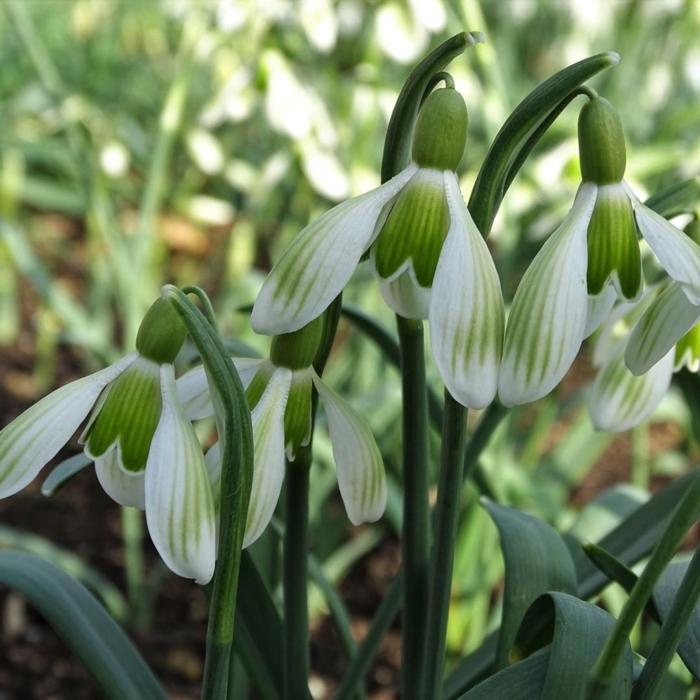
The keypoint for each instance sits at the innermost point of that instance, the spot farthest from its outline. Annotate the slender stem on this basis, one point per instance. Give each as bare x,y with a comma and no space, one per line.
415,540
132,536
457,461
611,654
454,441
294,579
648,685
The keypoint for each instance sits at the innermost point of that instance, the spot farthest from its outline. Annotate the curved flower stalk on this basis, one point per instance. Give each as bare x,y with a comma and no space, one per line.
280,391
145,450
589,261
431,260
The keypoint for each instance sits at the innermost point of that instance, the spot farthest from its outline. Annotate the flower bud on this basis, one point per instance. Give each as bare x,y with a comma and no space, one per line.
298,349
161,333
601,143
441,130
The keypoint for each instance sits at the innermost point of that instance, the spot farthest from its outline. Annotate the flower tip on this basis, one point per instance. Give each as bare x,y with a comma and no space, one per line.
168,291
613,58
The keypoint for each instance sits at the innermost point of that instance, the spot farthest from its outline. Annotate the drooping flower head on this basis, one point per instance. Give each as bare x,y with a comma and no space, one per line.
589,261
424,247
145,450
279,392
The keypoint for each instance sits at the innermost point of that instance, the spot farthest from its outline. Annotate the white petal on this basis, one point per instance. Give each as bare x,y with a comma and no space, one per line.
405,296
127,489
319,262
669,317
678,254
599,307
466,308
34,437
268,441
620,400
193,389
548,317
179,503
358,462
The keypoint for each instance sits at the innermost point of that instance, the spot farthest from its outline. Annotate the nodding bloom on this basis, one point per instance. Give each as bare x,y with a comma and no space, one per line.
145,450
591,259
619,400
430,258
279,392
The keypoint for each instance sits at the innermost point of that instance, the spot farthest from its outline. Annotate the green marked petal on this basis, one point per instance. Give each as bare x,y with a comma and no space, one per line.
613,248
466,309
547,320
358,462
258,384
129,416
677,252
405,296
688,350
127,489
297,416
319,262
620,400
34,437
663,324
268,441
415,229
179,502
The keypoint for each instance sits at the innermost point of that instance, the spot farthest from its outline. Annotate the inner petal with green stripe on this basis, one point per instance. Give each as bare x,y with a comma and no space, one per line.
127,416
613,247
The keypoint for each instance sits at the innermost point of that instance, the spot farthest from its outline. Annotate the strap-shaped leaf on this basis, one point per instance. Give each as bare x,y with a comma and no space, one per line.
536,560
664,595
84,625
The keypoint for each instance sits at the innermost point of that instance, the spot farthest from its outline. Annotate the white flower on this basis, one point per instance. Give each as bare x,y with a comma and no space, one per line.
431,260
281,416
145,450
592,258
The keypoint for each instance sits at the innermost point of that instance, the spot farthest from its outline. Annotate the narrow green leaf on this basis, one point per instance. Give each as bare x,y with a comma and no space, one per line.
613,568
536,560
84,625
678,198
60,475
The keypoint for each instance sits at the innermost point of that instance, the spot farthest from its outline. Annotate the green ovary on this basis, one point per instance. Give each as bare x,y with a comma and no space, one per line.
415,229
613,248
129,415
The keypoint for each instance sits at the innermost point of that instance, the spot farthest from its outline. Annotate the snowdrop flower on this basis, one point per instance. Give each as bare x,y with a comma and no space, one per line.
279,391
593,257
145,450
619,400
427,252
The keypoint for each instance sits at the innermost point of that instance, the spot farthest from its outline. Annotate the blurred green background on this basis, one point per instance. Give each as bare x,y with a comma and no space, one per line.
188,142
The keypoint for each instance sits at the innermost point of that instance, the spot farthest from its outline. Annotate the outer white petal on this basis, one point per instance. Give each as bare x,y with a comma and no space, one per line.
547,320
319,262
620,400
268,442
127,489
466,308
179,503
193,389
34,437
678,254
358,462
598,309
669,317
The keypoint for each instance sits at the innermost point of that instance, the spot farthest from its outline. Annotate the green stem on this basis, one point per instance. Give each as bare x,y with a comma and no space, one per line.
454,440
415,539
649,683
132,536
294,578
611,654
456,464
